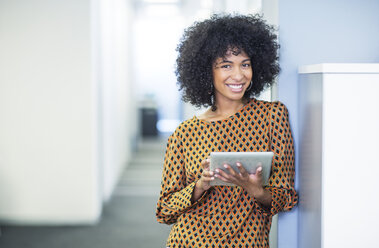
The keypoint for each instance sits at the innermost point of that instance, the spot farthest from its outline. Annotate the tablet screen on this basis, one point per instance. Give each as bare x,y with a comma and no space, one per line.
249,160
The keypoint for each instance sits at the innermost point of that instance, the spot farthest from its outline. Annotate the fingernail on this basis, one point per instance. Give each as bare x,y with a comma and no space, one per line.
217,170
211,173
225,165
259,168
239,164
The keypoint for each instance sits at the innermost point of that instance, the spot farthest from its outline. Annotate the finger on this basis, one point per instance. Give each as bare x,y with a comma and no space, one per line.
223,178
230,169
258,172
205,163
207,173
242,170
222,174
207,179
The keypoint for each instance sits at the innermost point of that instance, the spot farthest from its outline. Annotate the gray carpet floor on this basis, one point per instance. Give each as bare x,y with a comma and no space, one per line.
128,219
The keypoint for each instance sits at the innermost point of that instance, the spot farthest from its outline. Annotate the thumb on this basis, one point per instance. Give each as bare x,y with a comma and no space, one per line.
205,163
258,172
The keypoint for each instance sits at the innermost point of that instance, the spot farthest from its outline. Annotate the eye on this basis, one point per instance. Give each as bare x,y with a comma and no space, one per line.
226,66
246,65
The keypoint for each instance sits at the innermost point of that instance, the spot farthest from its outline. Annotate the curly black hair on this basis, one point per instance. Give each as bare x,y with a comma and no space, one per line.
205,41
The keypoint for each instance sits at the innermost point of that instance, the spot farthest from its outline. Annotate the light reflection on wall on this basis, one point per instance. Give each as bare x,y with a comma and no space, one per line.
157,29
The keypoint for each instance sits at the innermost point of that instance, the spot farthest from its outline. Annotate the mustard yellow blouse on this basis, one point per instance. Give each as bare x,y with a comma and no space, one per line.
226,216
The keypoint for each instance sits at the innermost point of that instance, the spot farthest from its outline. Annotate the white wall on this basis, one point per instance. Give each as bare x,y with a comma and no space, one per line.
54,132
338,155
48,167
117,119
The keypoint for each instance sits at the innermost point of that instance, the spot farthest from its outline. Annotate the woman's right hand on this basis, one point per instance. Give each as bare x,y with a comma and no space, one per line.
202,184
207,176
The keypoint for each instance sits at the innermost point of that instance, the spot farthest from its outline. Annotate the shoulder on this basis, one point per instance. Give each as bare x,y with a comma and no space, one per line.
186,125
274,109
276,106
279,112
268,104
184,133
184,128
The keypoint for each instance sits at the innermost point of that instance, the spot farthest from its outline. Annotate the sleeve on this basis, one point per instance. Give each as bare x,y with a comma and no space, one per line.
175,195
281,182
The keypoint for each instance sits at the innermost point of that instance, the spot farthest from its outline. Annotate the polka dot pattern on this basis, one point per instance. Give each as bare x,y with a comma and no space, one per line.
226,216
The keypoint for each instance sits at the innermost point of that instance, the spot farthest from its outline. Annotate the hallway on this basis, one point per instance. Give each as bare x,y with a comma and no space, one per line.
128,220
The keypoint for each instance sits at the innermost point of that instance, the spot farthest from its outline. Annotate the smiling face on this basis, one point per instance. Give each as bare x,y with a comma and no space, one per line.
232,75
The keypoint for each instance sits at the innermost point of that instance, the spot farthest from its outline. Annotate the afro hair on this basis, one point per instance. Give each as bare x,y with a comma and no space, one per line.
205,41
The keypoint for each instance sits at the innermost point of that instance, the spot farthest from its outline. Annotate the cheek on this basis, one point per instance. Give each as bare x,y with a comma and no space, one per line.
249,75
219,77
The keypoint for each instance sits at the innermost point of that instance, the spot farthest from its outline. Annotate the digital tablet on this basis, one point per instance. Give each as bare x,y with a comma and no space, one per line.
249,160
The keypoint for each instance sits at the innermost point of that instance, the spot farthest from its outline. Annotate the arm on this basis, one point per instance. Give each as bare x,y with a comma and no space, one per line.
281,182
175,195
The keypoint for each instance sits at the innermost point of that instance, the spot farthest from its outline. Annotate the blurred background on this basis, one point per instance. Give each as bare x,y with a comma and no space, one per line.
88,96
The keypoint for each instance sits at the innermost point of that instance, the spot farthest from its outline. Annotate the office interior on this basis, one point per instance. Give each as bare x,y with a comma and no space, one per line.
88,96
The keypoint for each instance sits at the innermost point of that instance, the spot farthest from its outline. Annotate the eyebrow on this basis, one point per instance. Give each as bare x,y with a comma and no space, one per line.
227,61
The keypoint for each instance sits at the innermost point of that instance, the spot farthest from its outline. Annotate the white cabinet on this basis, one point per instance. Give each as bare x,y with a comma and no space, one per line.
339,155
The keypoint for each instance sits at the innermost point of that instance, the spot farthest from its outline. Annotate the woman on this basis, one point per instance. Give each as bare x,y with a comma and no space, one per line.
223,63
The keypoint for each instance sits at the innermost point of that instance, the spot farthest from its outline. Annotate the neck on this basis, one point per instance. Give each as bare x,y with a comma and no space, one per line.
228,108
224,109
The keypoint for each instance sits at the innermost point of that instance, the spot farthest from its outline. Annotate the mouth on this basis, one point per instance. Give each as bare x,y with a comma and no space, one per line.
235,87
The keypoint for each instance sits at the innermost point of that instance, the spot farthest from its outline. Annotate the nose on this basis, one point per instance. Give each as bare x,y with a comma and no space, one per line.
237,74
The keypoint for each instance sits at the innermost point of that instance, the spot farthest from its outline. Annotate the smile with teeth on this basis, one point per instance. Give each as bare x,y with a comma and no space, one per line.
235,86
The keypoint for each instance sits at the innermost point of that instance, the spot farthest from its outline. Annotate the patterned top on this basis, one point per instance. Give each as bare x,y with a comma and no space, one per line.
226,216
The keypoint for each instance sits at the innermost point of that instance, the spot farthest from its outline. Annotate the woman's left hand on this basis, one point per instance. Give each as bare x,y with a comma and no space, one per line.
252,183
